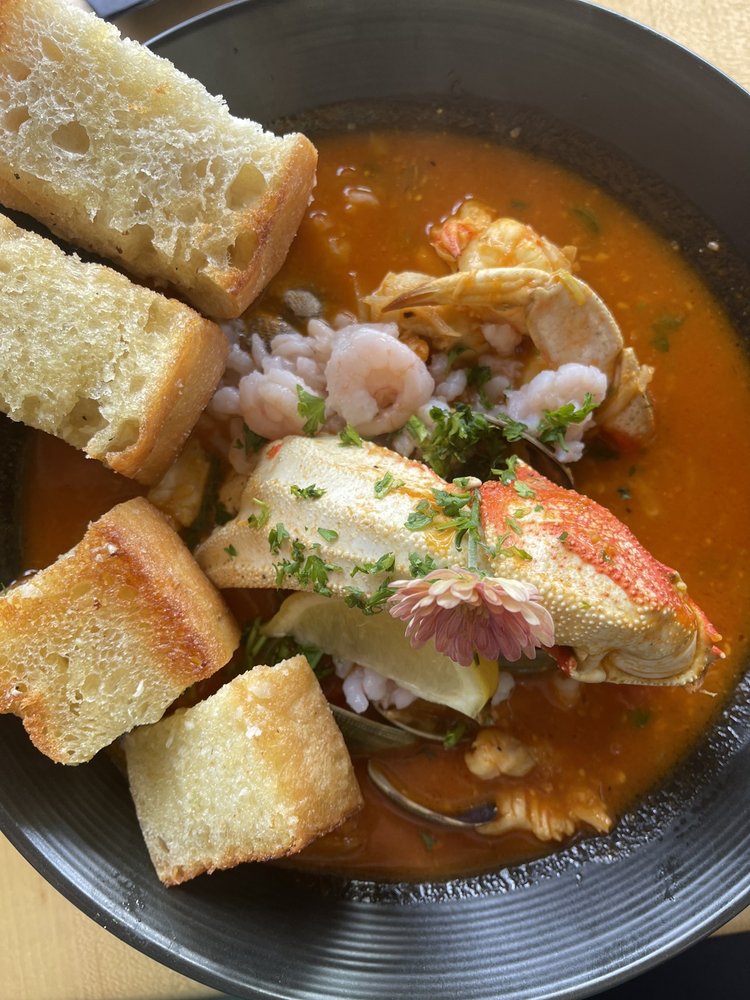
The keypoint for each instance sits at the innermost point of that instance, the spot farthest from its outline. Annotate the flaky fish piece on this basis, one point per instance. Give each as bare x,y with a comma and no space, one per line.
315,515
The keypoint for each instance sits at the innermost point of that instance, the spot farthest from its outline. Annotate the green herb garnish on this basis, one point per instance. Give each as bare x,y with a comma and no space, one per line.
427,839
383,565
231,551
554,423
328,534
524,490
312,408
261,518
349,437
454,735
276,537
587,217
384,486
311,492
421,565
478,377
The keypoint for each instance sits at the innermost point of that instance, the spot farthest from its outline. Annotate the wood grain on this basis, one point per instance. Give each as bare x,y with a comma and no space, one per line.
51,950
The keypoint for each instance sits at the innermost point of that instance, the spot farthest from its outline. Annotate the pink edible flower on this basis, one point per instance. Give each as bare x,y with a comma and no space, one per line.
464,613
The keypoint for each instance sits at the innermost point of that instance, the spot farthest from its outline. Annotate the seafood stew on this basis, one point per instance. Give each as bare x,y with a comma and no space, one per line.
562,757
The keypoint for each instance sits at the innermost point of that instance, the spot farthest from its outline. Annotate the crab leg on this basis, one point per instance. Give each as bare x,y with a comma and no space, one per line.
619,615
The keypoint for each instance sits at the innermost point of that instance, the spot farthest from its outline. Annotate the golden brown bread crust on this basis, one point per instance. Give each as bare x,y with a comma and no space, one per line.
187,385
208,251
274,222
284,778
98,313
109,635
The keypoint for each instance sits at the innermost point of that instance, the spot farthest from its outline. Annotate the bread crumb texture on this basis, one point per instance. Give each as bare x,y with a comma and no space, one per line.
116,150
254,772
107,637
112,368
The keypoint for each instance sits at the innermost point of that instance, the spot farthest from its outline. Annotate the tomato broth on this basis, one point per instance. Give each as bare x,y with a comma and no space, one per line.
378,194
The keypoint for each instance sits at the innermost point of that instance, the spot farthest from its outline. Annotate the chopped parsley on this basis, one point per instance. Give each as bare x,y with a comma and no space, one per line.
563,536
524,490
478,378
461,441
260,519
383,565
662,327
250,440
427,839
454,735
231,551
458,512
384,486
349,437
309,569
587,217
328,534
311,492
269,650
312,409
421,565
422,517
554,423
369,604
417,428
508,474
276,537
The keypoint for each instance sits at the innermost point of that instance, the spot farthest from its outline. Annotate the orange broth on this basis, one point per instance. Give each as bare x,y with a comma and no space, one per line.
684,496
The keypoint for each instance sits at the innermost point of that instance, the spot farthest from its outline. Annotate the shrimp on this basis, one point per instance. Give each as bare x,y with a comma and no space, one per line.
269,403
550,390
374,381
565,319
505,272
473,238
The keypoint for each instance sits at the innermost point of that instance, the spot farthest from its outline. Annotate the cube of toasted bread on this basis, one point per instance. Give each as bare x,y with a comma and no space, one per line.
112,368
109,635
256,771
116,151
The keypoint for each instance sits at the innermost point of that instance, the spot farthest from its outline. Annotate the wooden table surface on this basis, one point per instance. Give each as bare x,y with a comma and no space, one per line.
51,951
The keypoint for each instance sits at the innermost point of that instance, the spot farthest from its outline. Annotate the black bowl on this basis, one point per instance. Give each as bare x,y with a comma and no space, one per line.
668,133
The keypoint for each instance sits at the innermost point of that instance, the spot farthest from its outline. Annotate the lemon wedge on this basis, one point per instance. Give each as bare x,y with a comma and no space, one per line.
378,642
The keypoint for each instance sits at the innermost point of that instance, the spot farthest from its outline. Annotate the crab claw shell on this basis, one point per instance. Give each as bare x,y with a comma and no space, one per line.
626,617
619,615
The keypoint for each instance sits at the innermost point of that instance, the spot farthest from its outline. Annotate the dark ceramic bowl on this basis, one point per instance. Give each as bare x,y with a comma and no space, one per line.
671,135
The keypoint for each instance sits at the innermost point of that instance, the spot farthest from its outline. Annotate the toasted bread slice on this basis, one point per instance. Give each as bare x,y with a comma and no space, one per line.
117,151
109,635
112,368
256,771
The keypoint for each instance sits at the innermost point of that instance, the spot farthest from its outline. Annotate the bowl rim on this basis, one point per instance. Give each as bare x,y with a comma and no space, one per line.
129,928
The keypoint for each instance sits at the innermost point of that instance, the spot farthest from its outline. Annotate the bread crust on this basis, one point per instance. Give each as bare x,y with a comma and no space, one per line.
275,221
283,778
109,635
182,393
178,354
189,237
